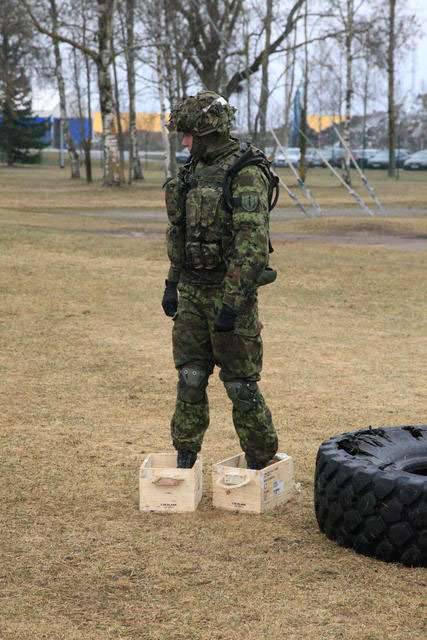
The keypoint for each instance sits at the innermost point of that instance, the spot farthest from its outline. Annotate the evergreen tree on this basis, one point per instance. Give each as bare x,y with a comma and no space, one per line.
19,130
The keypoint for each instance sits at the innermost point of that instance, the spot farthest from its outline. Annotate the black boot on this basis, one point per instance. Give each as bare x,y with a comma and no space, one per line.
185,458
252,463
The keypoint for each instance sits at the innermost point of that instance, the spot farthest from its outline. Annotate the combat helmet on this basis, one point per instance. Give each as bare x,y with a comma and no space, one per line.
206,112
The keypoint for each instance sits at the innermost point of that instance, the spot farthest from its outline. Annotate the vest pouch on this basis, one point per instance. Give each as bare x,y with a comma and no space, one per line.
194,255
201,208
172,198
211,255
203,255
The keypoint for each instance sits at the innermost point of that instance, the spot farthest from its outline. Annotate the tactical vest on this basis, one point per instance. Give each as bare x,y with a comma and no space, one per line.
200,204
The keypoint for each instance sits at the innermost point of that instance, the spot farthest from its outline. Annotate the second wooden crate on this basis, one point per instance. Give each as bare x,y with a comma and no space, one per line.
237,488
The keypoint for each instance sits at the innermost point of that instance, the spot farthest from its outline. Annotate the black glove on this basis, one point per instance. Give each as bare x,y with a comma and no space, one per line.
226,319
170,298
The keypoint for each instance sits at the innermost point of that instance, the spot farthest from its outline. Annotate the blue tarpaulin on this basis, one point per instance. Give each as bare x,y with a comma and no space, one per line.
79,129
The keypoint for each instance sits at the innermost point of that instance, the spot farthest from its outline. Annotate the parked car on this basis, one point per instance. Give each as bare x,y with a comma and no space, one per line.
182,156
292,154
362,156
312,157
418,160
333,155
381,159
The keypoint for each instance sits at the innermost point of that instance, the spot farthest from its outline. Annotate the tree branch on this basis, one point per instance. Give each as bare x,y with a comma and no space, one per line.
244,74
54,35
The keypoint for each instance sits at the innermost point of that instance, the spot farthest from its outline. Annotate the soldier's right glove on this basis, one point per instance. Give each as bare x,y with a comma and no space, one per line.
170,298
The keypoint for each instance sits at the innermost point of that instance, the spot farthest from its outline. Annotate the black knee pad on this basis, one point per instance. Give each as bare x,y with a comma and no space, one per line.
192,383
243,394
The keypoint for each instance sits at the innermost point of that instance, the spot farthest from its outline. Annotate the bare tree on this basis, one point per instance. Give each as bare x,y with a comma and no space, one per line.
304,106
135,167
102,57
72,152
391,97
264,95
210,27
118,112
241,75
290,68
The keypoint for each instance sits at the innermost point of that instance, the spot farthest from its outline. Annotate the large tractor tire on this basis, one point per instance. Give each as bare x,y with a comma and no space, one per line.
371,492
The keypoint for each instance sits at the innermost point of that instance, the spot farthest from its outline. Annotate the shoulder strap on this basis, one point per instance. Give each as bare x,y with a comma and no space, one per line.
251,156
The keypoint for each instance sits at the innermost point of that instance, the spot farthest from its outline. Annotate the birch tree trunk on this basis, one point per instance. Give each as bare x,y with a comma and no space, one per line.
264,95
110,143
72,152
118,114
303,134
102,58
135,167
366,85
289,87
391,98
348,87
87,141
165,133
171,83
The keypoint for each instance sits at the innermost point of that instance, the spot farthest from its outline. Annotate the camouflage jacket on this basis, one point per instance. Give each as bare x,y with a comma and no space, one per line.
209,245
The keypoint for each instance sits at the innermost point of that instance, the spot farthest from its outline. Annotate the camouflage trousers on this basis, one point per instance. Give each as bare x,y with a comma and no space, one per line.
197,348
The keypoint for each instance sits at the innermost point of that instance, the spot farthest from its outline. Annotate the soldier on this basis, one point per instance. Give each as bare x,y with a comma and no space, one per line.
218,246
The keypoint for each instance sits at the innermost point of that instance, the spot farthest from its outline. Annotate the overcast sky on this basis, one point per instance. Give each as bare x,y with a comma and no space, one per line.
420,8
413,72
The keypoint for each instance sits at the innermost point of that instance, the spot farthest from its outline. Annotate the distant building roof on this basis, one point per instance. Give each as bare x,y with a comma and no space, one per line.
319,122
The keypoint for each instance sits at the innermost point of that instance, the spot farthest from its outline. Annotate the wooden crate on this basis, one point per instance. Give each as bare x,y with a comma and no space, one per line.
164,488
237,488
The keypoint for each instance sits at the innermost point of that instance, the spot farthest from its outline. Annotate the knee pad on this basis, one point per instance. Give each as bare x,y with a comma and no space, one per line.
192,383
243,394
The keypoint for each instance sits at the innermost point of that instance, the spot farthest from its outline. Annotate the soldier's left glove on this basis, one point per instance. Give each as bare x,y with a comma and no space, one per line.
170,298
226,319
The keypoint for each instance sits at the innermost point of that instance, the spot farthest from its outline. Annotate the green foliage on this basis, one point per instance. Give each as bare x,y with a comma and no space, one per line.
20,133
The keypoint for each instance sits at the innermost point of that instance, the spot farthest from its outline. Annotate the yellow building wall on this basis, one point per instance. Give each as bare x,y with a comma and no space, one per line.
319,122
144,121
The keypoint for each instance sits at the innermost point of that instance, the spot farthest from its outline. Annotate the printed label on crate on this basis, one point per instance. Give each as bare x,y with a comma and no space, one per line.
278,487
239,505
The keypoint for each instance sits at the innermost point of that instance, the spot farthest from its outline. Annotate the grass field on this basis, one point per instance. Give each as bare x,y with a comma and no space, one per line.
88,388
48,188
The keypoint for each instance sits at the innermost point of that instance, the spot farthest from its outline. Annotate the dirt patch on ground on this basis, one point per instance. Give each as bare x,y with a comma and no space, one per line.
359,238
387,233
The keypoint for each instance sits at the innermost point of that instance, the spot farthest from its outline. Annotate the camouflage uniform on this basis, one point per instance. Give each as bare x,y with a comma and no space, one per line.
216,257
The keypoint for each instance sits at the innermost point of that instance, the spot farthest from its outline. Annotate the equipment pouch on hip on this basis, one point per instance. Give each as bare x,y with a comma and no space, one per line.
268,276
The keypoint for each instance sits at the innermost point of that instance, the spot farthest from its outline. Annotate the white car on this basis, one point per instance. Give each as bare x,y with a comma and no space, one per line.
416,161
293,155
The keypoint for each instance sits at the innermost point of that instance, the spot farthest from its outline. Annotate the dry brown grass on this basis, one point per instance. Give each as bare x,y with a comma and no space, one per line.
48,188
88,388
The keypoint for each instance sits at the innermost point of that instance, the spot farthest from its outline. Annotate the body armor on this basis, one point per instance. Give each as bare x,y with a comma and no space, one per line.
200,204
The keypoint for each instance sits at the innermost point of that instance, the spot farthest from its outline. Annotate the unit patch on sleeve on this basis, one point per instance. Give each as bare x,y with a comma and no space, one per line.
249,201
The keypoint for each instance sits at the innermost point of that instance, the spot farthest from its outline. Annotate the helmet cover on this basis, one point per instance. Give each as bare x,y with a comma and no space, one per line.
206,112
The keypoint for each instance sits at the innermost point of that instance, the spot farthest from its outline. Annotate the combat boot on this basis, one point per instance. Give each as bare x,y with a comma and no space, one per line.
185,458
252,463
